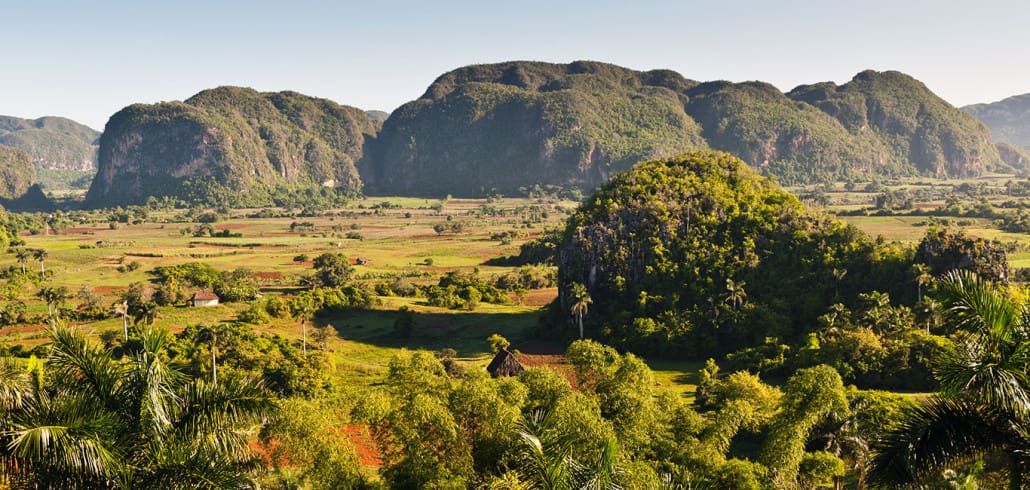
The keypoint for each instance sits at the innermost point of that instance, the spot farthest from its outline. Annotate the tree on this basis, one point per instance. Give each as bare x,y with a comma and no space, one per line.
984,401
923,277
41,255
579,303
22,255
54,298
735,294
333,270
134,423
122,309
497,342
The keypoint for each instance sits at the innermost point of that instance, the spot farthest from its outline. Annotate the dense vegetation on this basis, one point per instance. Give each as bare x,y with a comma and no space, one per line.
232,146
501,127
917,132
697,256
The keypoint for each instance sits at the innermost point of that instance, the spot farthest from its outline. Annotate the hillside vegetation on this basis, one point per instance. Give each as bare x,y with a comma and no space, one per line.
231,146
503,127
1009,119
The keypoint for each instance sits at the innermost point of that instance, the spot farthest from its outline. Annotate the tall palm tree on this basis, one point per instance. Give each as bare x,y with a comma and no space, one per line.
580,303
22,254
122,309
923,277
735,294
131,423
54,298
41,255
210,335
984,402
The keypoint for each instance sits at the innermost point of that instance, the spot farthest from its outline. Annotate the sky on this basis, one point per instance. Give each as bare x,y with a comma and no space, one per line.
85,60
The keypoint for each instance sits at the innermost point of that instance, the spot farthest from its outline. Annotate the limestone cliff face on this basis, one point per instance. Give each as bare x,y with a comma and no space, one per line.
230,143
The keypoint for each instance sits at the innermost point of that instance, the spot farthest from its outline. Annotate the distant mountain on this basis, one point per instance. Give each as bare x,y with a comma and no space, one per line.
230,145
379,116
18,187
1009,119
53,143
510,125
919,131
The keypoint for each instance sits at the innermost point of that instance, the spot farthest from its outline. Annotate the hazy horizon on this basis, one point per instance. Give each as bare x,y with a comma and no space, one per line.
85,61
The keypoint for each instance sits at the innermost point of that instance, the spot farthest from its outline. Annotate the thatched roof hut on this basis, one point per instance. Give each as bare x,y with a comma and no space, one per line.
505,364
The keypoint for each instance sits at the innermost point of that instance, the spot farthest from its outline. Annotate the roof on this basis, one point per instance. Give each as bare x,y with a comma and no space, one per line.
205,296
505,364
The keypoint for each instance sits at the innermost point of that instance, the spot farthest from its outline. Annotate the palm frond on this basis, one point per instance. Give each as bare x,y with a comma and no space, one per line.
933,436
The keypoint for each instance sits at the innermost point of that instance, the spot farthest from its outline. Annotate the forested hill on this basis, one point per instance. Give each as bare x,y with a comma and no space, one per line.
1009,119
507,127
232,146
53,143
510,125
18,189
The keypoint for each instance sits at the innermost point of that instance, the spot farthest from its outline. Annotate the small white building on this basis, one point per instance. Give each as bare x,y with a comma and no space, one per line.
204,299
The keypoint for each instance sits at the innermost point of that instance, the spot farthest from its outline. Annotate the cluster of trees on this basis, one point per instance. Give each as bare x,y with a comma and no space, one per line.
696,256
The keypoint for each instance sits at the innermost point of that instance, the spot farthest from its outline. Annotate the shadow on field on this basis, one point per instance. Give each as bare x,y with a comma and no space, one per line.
465,332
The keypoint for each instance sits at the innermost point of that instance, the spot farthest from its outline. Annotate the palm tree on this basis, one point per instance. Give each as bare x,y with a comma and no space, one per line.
210,334
735,294
123,310
54,297
580,304
131,423
923,277
838,276
22,255
548,461
984,402
41,255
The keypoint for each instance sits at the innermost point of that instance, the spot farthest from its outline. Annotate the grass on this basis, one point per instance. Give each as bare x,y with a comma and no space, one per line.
395,241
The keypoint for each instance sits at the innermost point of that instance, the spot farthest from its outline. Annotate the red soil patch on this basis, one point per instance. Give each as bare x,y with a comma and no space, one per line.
109,289
538,297
306,263
368,452
554,361
22,329
267,275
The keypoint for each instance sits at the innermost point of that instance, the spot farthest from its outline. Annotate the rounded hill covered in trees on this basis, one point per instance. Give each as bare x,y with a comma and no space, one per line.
697,256
502,127
231,145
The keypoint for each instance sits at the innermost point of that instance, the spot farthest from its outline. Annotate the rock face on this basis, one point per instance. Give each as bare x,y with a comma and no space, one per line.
913,125
501,127
510,125
53,143
1015,157
16,173
230,145
1009,119
18,188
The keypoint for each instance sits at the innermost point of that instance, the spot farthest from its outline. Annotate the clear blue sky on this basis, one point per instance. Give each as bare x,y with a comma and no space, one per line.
87,59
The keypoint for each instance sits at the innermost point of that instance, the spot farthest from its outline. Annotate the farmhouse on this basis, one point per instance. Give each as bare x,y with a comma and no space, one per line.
505,364
204,299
